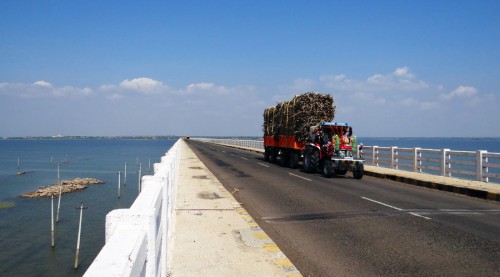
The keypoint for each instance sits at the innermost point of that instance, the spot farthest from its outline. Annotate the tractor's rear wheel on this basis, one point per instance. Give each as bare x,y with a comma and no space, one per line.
311,159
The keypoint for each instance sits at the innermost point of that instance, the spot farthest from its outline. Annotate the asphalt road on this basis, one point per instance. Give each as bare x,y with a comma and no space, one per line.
369,227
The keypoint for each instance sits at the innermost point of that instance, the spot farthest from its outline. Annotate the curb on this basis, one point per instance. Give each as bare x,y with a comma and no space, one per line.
257,236
478,193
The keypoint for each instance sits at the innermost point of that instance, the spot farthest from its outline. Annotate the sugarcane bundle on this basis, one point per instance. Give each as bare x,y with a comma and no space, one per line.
296,116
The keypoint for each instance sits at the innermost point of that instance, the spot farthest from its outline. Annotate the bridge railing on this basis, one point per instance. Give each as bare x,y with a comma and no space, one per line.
478,165
249,144
137,238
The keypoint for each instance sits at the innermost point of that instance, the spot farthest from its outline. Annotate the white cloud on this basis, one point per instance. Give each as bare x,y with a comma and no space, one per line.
71,91
403,72
143,85
115,96
106,88
398,81
205,86
43,84
461,92
429,105
303,84
42,89
422,105
369,97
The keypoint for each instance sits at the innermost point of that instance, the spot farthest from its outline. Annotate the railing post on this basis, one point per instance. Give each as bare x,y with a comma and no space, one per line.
480,168
394,159
375,156
444,162
416,160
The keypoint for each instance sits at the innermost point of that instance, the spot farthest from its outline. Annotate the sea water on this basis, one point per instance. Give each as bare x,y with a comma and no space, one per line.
25,223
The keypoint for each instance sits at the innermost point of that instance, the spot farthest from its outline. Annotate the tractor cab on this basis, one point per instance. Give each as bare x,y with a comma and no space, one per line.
331,132
332,146
335,138
338,131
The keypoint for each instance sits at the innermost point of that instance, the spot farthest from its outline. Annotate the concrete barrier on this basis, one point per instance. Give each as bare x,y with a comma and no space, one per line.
137,239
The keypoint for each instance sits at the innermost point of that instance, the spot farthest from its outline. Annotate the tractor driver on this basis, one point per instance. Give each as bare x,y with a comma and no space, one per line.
346,135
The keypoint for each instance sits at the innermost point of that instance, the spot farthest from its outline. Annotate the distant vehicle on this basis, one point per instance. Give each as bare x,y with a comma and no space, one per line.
329,147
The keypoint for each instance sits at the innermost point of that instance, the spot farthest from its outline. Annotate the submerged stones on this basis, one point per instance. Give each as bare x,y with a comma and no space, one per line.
65,186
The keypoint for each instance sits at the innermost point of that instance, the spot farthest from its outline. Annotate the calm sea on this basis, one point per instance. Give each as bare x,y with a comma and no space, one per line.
25,236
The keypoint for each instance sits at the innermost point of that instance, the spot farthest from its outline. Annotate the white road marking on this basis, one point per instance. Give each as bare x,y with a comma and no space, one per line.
243,158
300,177
263,164
393,207
383,204
419,215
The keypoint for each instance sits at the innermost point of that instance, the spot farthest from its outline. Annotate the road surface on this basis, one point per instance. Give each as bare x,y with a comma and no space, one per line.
370,227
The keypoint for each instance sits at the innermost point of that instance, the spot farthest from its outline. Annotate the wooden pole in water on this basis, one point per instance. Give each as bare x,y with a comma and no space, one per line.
125,175
60,192
139,179
79,235
52,222
119,181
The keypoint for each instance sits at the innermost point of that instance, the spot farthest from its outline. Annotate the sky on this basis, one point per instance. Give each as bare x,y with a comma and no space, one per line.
210,68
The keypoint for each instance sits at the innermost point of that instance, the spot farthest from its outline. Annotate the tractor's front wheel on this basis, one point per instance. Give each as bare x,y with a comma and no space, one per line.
327,169
358,171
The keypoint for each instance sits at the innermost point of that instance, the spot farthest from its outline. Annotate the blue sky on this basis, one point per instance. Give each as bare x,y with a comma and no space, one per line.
395,68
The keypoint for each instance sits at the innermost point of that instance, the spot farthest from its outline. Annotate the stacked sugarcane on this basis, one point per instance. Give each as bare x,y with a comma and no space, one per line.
296,116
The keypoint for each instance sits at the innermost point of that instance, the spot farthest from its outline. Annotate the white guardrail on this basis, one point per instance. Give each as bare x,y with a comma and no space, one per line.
478,165
137,238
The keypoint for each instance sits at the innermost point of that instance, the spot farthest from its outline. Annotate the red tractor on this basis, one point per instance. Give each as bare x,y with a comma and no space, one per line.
332,148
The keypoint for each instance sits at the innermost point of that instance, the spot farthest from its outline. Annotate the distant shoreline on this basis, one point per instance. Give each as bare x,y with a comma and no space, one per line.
93,138
218,137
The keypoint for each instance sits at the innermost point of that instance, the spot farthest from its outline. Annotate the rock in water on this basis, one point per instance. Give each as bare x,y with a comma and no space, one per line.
67,186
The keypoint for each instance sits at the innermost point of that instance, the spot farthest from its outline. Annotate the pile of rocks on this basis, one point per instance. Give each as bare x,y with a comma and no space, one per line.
66,185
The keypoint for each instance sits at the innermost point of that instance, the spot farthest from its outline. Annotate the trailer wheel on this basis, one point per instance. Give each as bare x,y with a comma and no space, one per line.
274,155
327,169
267,153
284,158
294,159
358,171
311,159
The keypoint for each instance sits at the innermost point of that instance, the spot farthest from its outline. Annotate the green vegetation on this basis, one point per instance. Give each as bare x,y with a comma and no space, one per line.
6,205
